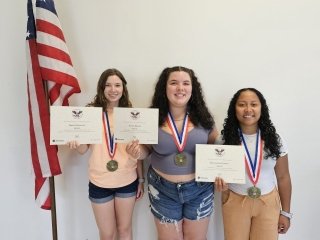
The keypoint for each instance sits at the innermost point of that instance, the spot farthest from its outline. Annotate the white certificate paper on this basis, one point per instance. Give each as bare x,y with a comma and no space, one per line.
225,161
83,124
136,123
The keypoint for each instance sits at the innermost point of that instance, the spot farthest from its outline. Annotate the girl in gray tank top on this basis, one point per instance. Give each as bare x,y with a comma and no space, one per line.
180,205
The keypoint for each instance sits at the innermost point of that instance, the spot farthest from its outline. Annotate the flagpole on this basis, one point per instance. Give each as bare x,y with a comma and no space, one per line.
53,209
51,182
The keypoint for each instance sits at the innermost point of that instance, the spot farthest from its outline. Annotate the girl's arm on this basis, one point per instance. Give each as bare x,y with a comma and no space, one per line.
140,174
213,136
284,188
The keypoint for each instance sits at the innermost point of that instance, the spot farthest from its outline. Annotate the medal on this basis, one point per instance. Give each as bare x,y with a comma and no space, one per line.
111,165
180,159
253,167
254,192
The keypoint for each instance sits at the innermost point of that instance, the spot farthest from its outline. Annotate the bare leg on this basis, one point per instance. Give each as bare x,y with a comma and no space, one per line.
195,229
105,218
124,210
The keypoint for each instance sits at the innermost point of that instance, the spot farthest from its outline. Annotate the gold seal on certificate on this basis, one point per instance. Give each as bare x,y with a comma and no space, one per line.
112,165
180,159
254,192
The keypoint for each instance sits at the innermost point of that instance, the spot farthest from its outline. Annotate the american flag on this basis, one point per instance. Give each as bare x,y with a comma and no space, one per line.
50,72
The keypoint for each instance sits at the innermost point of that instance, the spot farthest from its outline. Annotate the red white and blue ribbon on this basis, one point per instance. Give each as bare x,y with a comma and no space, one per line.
179,139
253,167
111,145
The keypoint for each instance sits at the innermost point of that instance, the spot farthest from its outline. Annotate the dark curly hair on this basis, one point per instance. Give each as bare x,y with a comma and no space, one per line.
197,109
100,99
230,132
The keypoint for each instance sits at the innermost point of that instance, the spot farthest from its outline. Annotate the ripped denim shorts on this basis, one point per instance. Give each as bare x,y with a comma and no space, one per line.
171,202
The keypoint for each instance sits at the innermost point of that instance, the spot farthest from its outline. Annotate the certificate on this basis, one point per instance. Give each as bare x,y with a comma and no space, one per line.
136,123
225,161
83,124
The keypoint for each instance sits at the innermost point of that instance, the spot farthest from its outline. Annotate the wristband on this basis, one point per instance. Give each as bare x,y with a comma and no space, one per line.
141,180
286,214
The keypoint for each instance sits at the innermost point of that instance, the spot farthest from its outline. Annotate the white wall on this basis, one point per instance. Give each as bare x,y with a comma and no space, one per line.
268,44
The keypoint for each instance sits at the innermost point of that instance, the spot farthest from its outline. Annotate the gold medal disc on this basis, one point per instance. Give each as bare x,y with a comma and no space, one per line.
180,159
254,192
112,165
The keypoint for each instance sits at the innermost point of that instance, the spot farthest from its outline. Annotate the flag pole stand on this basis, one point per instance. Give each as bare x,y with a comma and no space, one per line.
53,209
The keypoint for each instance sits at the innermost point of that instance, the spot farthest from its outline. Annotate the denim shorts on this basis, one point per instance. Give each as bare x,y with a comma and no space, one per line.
103,195
171,202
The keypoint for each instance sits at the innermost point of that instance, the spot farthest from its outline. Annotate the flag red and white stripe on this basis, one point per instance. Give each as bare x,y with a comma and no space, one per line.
50,76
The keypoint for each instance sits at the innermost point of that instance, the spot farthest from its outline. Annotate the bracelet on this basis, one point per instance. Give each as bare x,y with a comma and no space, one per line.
286,214
141,180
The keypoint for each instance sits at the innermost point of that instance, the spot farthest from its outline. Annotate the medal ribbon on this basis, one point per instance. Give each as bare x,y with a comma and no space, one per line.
253,168
111,145
179,139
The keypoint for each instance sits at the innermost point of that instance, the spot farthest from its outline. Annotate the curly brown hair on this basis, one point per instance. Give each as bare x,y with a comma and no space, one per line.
100,99
230,132
197,108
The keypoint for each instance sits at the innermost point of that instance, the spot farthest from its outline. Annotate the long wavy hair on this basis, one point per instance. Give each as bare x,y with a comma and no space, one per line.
100,99
197,109
230,132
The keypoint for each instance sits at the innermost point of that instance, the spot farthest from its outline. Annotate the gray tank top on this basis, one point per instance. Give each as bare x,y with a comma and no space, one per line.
163,154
